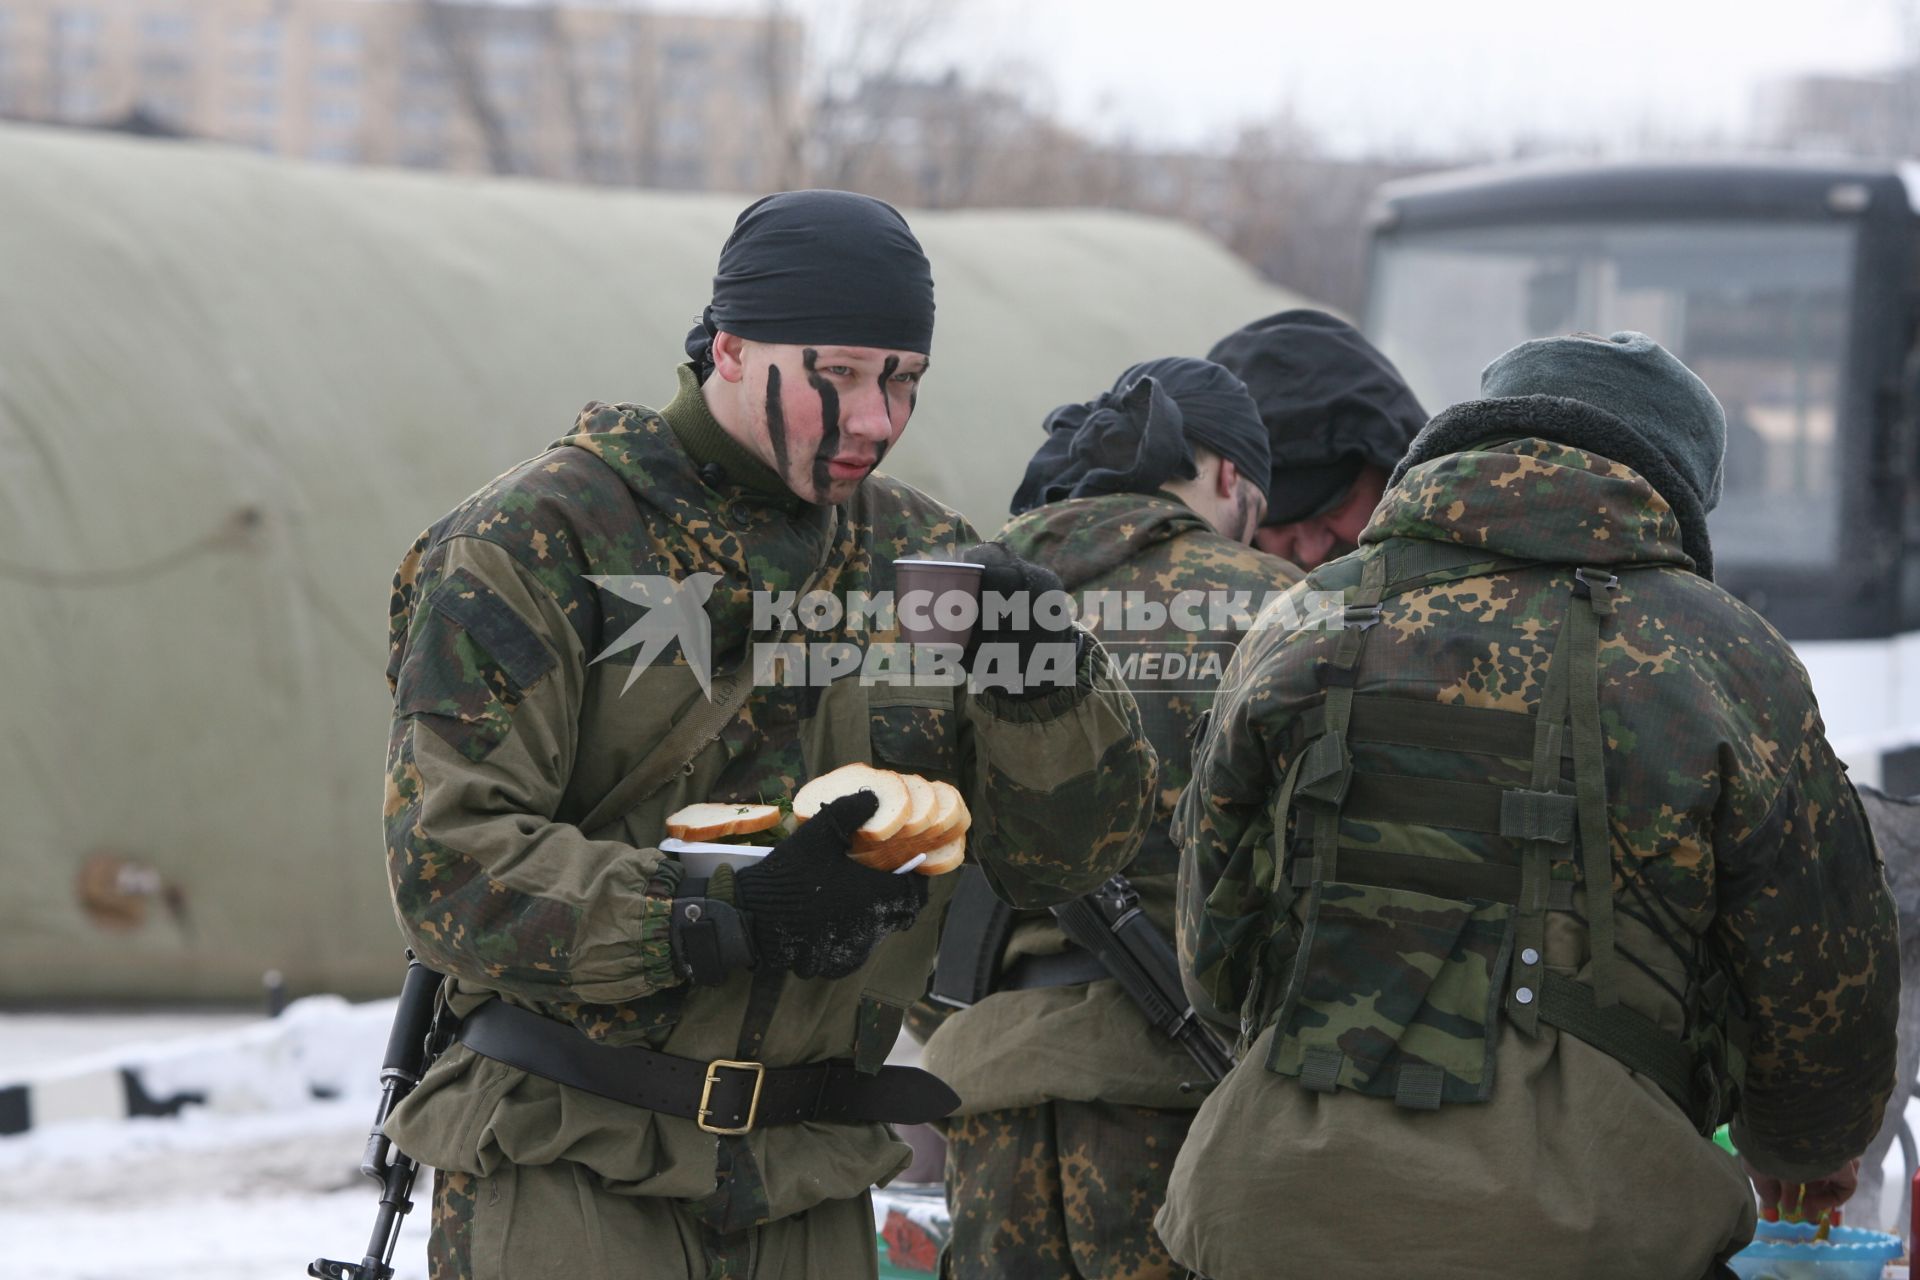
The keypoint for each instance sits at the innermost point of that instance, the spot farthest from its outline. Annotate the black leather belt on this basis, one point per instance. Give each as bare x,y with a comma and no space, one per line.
722,1096
1070,968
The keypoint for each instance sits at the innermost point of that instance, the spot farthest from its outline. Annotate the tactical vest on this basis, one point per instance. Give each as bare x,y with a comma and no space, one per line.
1420,935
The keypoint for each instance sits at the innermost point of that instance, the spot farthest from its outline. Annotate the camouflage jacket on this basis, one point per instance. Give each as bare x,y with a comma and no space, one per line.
1169,598
1735,832
513,717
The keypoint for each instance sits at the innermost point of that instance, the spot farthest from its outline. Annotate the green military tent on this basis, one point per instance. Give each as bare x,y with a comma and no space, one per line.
232,391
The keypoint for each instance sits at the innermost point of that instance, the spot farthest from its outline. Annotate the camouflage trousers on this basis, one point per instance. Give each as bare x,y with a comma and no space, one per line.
559,1220
1061,1191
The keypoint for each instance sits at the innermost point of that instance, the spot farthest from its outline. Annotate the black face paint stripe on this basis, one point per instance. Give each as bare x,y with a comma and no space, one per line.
829,422
777,422
887,371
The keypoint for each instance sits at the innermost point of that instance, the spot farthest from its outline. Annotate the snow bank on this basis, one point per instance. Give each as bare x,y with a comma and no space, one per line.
321,1048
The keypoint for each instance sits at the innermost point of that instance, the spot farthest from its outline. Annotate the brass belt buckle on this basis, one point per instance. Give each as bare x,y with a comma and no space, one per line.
706,1094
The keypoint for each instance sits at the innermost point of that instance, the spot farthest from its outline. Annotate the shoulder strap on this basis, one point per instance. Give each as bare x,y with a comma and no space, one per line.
690,734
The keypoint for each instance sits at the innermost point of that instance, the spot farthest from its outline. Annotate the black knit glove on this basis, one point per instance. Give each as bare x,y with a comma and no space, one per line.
814,911
1001,656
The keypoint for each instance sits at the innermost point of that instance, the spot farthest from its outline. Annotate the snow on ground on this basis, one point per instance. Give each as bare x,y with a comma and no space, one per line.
256,1184
32,1040
224,1197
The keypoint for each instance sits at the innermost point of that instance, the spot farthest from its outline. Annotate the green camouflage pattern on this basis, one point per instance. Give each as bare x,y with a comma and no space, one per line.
1394,977
450,1241
1732,821
1154,544
1019,1047
1061,1191
506,734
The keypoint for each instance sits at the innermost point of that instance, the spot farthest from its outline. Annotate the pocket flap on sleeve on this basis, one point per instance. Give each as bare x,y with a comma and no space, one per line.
469,661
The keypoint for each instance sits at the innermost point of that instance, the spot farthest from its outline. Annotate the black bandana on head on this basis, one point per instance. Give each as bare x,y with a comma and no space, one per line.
1141,434
820,268
1332,404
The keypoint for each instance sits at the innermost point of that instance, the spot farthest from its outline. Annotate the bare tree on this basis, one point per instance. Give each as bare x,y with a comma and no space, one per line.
456,30
563,65
780,66
1298,214
870,43
644,97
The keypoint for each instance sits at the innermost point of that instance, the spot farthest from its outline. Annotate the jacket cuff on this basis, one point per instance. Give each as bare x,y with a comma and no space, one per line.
1755,1153
655,934
1054,703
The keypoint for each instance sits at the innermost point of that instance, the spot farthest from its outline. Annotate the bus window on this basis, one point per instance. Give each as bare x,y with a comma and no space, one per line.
1759,311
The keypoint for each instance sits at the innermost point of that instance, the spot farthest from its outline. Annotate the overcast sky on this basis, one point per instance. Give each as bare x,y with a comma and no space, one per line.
1432,74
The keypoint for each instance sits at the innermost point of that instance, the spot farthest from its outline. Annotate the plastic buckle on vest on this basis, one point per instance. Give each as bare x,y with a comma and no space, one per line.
706,1095
1583,585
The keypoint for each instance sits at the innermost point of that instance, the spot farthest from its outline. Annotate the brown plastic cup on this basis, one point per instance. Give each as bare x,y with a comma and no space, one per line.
936,601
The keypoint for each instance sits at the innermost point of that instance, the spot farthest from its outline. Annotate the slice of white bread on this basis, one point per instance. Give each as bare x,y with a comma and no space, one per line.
947,857
924,803
952,822
712,821
896,802
937,824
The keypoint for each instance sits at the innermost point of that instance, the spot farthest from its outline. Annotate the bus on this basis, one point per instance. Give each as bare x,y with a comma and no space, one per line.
1793,290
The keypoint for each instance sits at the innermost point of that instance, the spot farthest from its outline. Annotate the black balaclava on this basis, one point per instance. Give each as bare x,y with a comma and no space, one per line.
1332,402
819,267
1141,434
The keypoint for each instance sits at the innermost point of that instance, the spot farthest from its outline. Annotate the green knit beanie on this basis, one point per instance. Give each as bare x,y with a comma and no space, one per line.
1635,379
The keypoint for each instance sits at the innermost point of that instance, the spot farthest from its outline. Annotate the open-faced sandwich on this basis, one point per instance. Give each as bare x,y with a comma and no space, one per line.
718,823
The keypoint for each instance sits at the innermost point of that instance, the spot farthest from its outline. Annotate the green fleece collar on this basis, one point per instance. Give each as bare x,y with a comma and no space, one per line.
706,441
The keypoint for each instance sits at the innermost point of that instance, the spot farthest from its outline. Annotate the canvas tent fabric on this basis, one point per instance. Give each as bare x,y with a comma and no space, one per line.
234,389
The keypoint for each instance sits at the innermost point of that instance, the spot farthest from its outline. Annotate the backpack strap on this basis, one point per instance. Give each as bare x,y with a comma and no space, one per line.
1539,818
1326,770
1595,587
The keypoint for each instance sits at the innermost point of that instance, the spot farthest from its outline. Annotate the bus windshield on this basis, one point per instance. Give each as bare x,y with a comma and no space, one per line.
1759,311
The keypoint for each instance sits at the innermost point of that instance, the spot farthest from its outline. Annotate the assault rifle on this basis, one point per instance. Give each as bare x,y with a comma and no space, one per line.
1109,923
418,1036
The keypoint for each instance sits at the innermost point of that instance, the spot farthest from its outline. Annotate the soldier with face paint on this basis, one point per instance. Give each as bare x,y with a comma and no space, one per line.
658,1075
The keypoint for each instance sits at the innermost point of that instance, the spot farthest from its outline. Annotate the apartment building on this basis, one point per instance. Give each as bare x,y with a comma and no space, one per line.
1863,115
585,92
